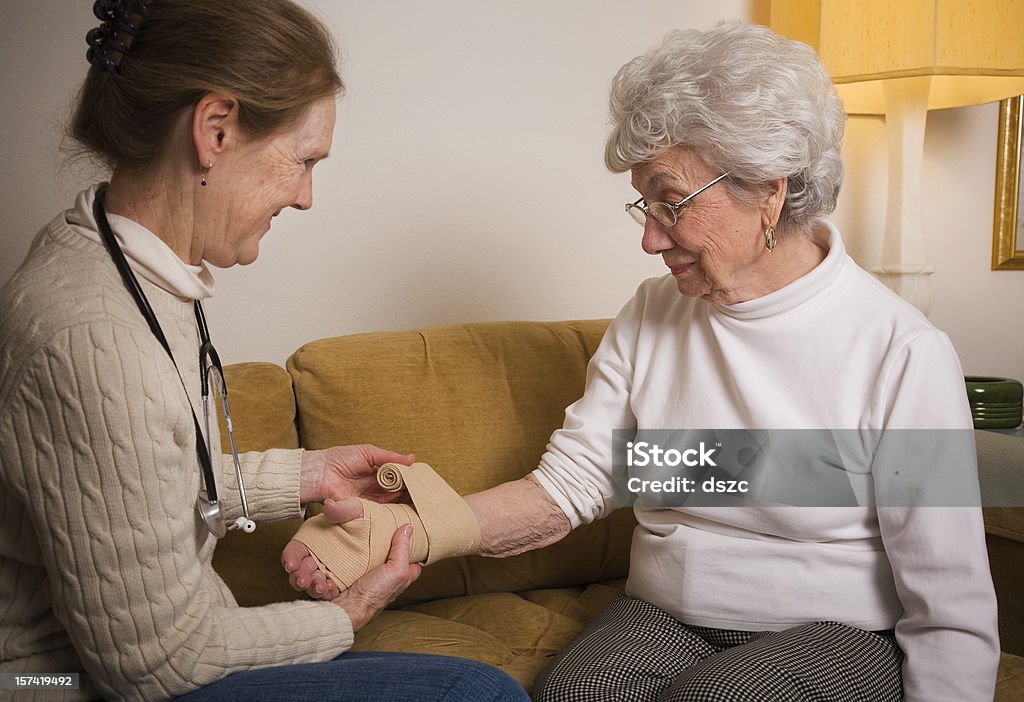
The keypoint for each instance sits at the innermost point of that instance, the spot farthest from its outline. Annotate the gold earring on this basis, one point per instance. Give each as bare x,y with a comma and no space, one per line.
769,238
202,174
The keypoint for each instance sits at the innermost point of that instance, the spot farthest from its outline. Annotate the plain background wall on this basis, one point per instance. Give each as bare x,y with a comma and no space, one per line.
466,181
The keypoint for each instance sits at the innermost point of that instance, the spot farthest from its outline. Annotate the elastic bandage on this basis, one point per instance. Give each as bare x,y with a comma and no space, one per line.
443,526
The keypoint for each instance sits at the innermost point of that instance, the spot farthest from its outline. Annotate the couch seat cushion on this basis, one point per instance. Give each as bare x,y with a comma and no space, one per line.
1010,680
518,633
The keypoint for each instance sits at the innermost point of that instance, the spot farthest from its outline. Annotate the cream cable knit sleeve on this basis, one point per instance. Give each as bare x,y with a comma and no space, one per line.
104,566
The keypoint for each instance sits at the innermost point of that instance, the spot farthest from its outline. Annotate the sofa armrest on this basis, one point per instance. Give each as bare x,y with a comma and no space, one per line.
1001,475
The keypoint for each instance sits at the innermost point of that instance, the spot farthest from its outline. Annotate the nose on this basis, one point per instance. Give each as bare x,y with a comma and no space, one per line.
656,238
304,199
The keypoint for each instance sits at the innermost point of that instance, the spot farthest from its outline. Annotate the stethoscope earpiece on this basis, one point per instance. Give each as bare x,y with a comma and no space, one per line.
246,525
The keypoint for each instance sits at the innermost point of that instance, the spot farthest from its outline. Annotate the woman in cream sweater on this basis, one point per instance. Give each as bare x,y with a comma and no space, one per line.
212,116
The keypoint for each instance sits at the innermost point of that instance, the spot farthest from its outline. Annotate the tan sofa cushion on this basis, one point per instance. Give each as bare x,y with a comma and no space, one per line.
1010,679
518,633
478,403
262,407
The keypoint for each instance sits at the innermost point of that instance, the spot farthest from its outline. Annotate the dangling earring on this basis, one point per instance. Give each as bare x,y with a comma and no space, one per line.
202,174
769,238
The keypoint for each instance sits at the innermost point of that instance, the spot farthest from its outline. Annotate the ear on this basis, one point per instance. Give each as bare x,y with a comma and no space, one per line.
214,126
773,200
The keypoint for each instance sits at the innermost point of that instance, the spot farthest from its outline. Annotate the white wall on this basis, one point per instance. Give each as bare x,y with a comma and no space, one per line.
466,181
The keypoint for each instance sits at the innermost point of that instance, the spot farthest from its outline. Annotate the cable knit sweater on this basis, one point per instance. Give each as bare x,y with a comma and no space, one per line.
833,350
105,566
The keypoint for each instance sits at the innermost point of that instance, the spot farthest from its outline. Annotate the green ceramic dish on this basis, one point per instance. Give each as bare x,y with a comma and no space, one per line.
996,403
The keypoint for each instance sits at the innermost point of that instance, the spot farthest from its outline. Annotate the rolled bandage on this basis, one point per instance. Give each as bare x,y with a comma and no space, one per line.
443,526
390,478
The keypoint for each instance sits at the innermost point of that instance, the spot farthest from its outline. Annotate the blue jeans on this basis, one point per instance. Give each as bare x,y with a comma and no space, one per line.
368,677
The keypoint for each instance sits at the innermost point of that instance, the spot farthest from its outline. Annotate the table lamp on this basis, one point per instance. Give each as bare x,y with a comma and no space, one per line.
901,59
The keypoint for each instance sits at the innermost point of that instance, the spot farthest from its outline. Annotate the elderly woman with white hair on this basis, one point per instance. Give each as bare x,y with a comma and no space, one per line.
764,323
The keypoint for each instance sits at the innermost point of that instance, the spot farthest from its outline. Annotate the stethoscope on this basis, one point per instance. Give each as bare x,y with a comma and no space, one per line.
207,505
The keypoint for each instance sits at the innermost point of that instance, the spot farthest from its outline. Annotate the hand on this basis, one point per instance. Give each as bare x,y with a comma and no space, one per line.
344,471
304,574
380,586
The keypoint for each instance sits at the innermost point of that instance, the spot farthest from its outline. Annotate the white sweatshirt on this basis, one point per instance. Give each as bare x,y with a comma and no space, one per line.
835,349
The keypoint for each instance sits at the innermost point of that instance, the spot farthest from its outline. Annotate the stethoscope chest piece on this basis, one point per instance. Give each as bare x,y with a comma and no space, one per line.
213,516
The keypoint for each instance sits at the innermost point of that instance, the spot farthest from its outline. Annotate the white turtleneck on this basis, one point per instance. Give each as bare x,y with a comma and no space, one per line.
147,253
835,349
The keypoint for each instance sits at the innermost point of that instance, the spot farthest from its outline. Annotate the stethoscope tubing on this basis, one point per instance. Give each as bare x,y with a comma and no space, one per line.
212,513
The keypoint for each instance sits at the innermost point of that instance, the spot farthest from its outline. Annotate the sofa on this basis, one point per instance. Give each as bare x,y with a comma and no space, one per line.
478,402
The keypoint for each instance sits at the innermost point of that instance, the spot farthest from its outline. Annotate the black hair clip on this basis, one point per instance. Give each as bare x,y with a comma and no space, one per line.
115,21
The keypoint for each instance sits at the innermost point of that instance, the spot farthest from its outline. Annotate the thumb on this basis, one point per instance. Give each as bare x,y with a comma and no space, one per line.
341,511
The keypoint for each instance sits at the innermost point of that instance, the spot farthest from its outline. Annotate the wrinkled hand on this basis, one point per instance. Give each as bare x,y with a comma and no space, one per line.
345,471
303,572
381,585
369,594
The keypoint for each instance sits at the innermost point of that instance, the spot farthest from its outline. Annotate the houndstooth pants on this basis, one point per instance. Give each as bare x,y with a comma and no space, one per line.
634,652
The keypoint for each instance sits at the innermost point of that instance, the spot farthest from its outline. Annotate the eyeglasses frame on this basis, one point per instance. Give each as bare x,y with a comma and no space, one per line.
673,208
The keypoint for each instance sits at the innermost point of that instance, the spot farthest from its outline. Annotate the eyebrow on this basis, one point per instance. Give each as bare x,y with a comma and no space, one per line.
656,180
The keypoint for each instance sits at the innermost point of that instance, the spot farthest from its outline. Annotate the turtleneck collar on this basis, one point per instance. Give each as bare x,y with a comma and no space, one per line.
803,288
148,255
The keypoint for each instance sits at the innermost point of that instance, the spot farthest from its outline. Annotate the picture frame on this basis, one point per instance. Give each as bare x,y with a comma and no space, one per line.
1008,221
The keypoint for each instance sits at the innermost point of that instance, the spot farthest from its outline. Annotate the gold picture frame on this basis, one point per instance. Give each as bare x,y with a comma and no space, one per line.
1008,224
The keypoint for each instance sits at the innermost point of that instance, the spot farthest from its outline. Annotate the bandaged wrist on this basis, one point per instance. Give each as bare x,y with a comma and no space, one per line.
443,526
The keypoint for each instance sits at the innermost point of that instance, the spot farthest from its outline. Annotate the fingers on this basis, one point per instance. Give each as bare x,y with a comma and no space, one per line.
292,555
323,588
400,573
378,456
301,576
304,574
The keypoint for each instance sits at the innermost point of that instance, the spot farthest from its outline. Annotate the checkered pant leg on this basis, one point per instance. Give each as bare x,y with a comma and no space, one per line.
633,651
629,652
819,662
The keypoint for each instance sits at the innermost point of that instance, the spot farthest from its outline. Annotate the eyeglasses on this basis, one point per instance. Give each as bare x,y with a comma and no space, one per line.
665,212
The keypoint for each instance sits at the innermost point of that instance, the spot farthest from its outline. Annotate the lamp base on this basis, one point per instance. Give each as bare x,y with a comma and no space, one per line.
911,281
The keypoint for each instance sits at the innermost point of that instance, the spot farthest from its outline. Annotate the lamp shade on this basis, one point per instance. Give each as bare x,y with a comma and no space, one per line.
972,51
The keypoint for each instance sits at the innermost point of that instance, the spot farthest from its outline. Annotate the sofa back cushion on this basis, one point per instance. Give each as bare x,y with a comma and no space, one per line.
477,402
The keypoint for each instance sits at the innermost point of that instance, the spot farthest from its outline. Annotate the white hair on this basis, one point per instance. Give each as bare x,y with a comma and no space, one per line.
747,101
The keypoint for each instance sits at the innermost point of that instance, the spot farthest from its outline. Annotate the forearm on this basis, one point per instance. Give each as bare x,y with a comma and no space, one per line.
516,517
311,473
272,484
